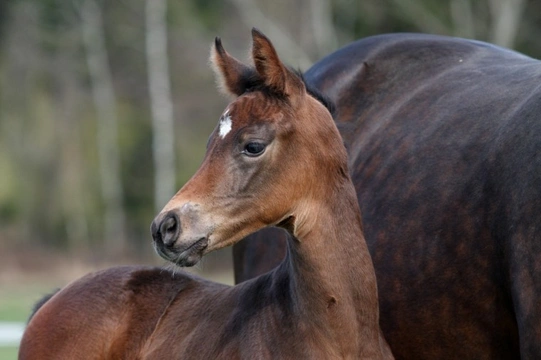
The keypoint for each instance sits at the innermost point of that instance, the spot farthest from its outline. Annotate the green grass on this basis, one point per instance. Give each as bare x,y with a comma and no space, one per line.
17,304
8,353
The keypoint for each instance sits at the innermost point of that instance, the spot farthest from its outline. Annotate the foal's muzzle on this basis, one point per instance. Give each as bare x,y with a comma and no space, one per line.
182,247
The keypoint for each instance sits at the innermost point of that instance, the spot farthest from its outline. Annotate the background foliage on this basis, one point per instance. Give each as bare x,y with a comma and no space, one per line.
52,184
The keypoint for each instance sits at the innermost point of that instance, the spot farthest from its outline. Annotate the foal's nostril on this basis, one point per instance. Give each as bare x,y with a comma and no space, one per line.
169,229
165,229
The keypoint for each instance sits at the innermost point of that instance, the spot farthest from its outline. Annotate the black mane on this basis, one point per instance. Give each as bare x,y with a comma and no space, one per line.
252,82
318,95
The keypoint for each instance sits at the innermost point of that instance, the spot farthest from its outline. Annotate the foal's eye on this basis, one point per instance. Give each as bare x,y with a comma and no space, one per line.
254,149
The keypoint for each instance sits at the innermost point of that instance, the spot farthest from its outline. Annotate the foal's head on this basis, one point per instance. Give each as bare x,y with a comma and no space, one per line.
274,155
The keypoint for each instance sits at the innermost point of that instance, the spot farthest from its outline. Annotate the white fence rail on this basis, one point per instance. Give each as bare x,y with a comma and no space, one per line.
11,333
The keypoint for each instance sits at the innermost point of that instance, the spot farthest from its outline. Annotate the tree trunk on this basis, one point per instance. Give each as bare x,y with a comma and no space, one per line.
506,18
163,148
107,127
322,27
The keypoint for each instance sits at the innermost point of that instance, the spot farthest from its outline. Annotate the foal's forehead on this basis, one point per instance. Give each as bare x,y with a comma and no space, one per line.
249,109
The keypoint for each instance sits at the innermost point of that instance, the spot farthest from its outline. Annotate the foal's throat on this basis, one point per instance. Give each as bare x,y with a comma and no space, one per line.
329,259
333,275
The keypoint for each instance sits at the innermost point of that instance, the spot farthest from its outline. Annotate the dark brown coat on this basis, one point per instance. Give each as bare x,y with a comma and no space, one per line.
444,143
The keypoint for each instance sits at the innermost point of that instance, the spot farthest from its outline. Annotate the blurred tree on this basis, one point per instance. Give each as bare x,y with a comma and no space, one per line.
161,104
84,84
107,126
506,18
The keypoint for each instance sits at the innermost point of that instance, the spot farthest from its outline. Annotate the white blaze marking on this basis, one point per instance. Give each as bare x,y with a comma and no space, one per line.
225,124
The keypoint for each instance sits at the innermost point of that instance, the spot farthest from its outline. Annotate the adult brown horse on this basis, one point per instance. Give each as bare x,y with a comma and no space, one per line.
276,158
444,142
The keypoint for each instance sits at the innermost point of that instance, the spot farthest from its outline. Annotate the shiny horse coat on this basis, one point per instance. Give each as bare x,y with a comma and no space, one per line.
444,143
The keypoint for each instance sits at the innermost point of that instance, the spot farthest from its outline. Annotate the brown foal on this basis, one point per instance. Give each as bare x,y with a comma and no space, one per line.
275,159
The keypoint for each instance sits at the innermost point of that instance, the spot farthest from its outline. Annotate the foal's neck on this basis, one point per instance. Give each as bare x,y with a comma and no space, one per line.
333,274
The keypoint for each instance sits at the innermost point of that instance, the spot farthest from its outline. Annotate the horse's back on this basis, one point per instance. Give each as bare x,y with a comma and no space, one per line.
105,315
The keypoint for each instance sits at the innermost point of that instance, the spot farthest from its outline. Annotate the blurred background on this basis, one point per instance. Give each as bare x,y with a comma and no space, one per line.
106,107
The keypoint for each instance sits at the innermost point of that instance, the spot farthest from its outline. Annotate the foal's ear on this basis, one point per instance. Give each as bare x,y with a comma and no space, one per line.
233,77
271,69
